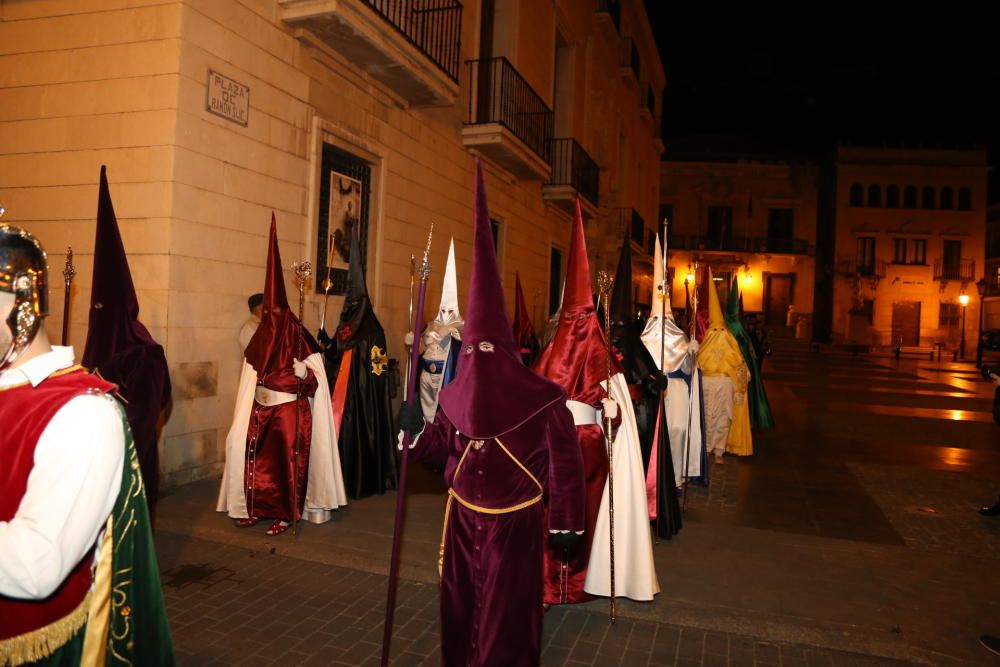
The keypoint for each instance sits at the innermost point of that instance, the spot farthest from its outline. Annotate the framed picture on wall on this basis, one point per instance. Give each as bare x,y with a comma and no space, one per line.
345,185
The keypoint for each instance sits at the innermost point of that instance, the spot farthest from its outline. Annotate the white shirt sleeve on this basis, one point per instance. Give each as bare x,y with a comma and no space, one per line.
70,493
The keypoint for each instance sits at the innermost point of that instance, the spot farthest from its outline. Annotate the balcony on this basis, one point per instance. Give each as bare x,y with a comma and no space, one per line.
574,173
508,121
850,268
647,102
629,64
411,46
759,245
962,271
610,12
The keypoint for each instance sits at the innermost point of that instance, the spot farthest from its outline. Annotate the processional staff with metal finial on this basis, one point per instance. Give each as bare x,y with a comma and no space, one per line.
424,271
69,272
604,284
302,272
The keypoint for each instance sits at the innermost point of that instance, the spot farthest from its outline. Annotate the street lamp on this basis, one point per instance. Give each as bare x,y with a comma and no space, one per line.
964,300
981,288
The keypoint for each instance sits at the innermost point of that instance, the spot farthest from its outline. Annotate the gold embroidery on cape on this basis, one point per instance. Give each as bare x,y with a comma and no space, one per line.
379,360
95,640
452,495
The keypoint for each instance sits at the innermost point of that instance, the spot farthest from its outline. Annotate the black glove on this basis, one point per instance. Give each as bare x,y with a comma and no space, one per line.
410,417
565,541
655,384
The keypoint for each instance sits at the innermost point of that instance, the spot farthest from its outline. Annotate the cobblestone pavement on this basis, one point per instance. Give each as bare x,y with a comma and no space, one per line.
233,606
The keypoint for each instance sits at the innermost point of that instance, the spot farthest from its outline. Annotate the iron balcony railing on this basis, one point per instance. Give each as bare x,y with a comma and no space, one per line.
571,165
433,26
501,95
963,270
612,8
851,268
763,244
630,55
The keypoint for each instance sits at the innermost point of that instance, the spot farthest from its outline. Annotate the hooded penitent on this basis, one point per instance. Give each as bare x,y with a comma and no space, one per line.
442,340
727,419
575,359
681,412
512,464
119,348
641,372
268,426
524,330
367,437
760,409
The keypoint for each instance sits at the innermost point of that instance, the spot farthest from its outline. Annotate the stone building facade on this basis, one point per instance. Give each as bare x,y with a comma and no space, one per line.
337,115
910,228
750,220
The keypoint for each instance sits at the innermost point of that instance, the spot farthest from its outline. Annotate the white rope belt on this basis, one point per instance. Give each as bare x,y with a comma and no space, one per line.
584,414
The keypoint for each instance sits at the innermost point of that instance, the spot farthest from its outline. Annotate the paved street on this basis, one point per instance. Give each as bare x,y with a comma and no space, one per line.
849,538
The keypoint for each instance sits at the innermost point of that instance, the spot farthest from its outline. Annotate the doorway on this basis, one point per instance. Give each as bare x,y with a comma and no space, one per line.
906,323
778,289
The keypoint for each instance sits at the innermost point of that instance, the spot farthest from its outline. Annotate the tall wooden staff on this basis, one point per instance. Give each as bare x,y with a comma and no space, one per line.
604,283
409,321
328,282
687,441
302,272
69,272
411,391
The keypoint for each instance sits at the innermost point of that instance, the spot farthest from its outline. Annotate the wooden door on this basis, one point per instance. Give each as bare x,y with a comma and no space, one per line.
779,296
906,323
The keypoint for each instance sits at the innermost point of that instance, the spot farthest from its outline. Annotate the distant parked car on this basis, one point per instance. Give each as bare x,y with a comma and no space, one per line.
988,340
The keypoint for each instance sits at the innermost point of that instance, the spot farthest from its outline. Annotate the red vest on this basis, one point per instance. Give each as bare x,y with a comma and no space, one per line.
25,411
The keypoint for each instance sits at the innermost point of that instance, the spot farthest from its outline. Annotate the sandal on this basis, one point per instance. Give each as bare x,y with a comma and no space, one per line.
246,523
278,527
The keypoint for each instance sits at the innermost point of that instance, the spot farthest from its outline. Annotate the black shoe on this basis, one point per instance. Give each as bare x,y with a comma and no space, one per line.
990,643
991,511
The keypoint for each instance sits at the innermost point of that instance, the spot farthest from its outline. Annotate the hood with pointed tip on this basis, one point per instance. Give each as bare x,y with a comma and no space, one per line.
357,317
493,391
275,344
575,358
114,325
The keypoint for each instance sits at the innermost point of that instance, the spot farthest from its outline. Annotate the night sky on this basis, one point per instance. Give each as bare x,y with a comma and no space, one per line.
804,75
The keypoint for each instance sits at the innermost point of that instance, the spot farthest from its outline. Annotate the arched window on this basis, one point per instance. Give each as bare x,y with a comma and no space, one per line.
964,199
947,199
927,198
892,196
910,197
857,195
874,195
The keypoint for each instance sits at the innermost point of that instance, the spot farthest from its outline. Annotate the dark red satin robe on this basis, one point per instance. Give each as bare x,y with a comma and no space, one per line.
270,446
491,582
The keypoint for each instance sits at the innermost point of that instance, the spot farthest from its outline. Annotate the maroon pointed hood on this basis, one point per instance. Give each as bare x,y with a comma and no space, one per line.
575,358
274,347
114,325
524,330
493,391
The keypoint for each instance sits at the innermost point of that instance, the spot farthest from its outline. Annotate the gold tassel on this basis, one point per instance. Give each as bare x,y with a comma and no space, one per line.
43,642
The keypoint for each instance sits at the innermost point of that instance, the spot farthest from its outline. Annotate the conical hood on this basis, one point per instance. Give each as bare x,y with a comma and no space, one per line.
733,305
661,291
715,317
114,309
275,345
621,292
357,318
575,358
448,310
577,293
493,391
524,330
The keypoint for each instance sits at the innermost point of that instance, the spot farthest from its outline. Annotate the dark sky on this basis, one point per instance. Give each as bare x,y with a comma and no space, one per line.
805,74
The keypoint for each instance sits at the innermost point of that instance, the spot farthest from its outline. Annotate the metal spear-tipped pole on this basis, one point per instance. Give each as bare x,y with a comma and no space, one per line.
424,271
69,272
302,272
604,283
